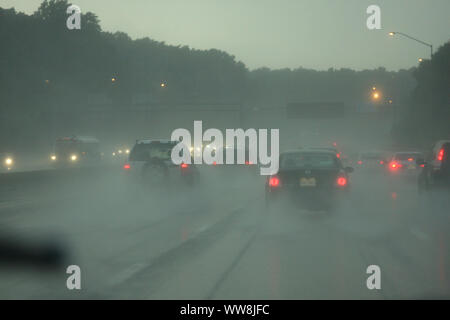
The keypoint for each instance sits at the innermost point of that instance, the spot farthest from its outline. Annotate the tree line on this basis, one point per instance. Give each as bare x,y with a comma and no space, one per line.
44,65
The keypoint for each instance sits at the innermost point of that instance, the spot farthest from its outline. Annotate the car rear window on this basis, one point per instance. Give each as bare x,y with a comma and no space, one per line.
310,160
147,151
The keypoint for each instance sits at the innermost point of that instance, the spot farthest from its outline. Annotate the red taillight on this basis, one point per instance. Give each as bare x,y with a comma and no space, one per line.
184,165
440,156
274,181
359,162
248,162
126,166
381,162
338,155
214,163
395,165
342,181
422,165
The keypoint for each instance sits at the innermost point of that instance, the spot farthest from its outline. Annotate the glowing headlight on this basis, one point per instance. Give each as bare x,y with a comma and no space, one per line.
127,151
53,157
9,161
120,151
73,157
191,149
114,154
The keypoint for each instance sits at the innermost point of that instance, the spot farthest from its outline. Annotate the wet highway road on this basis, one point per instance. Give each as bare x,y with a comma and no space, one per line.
217,241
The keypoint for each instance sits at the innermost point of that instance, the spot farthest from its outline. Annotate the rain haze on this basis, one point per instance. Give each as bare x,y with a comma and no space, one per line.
207,150
279,34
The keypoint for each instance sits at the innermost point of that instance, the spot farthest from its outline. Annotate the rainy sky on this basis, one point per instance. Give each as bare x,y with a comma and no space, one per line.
280,33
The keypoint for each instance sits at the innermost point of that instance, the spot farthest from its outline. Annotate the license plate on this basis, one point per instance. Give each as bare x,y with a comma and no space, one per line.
307,182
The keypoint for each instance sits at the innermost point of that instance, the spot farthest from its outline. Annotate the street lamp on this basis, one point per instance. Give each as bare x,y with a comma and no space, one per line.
393,33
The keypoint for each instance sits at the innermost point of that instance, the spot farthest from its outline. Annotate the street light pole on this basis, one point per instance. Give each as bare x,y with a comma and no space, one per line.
392,33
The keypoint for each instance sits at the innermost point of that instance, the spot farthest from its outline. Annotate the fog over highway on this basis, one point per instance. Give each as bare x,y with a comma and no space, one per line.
217,240
140,158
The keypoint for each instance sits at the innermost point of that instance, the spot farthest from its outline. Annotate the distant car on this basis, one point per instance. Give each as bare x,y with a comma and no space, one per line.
120,153
404,162
150,162
436,167
310,178
7,161
371,160
245,161
76,151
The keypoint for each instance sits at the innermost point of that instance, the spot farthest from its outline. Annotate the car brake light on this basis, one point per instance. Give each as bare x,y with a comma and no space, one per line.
126,166
338,155
395,165
410,159
248,162
381,162
359,162
214,163
274,181
440,156
184,165
342,181
422,165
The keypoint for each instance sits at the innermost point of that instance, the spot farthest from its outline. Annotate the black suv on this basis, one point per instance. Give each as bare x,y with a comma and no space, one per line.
436,167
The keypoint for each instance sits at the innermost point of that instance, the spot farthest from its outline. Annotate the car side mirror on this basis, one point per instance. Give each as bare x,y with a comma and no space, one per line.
348,169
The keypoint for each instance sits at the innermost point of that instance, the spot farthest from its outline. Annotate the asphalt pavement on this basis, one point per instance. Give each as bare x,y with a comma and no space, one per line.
217,240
